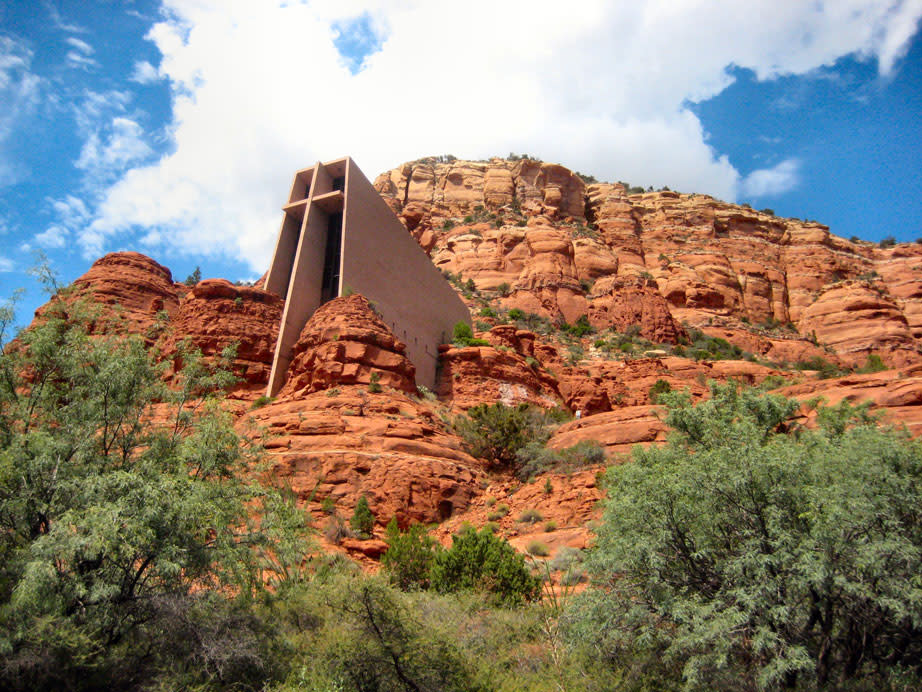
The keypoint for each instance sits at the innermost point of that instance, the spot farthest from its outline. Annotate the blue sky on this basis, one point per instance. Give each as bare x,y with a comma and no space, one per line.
173,127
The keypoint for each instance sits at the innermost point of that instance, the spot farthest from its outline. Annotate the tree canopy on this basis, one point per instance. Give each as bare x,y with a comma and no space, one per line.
130,519
751,553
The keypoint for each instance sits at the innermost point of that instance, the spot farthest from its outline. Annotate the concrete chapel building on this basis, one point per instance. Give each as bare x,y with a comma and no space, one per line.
338,233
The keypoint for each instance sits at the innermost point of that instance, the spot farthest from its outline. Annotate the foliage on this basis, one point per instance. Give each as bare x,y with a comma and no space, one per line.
538,549
874,363
367,636
131,533
888,241
535,458
704,347
746,555
194,277
482,561
463,336
823,367
362,520
374,382
409,556
530,516
495,432
659,387
580,328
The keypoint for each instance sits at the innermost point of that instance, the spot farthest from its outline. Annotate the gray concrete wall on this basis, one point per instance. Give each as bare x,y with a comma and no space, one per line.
383,262
302,296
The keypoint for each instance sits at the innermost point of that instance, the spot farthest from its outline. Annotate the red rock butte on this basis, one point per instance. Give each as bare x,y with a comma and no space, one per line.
346,419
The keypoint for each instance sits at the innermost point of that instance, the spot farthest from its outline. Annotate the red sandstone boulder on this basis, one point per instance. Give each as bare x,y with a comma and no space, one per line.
216,314
345,342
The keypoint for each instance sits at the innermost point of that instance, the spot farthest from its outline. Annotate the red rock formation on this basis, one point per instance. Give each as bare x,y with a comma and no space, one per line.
132,288
216,314
345,342
347,442
506,371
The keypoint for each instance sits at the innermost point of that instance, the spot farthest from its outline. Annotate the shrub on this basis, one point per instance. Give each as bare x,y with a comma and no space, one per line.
328,505
503,289
409,556
515,315
463,336
362,521
771,559
535,458
874,363
530,516
128,514
374,382
448,225
580,328
497,514
496,432
888,241
481,561
659,387
336,530
194,277
261,401
566,559
550,526
538,549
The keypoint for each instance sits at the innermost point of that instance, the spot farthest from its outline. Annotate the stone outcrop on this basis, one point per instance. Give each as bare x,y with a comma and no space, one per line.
215,315
132,290
516,223
506,371
345,342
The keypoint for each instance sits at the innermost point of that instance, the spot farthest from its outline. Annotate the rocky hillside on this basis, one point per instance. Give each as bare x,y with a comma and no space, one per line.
589,298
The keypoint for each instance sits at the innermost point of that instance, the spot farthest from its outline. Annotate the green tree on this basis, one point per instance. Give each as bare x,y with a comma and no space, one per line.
126,515
362,520
482,561
409,556
750,554
194,277
495,432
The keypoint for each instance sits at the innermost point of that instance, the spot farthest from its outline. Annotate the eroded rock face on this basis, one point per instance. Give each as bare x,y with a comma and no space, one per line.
506,371
132,289
216,314
347,442
708,260
856,317
345,342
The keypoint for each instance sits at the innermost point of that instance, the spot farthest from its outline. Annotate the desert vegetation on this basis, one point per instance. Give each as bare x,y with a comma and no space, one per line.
144,547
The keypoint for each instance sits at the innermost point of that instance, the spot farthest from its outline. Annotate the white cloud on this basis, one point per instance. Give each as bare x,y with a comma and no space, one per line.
121,145
79,60
81,46
260,90
768,182
6,264
144,73
20,90
53,237
80,56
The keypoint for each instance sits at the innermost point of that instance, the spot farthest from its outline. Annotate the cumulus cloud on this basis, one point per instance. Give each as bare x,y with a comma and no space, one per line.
113,150
768,182
20,91
6,264
144,73
261,89
52,238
